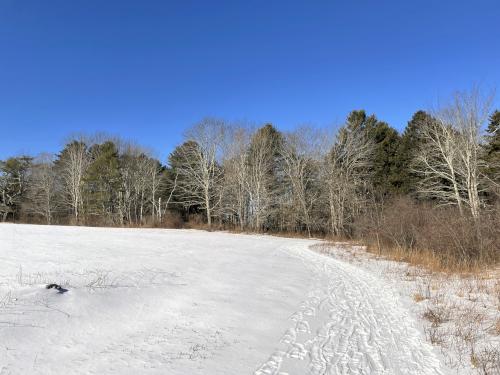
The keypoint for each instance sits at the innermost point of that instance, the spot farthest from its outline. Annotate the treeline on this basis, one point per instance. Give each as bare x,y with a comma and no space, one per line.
435,187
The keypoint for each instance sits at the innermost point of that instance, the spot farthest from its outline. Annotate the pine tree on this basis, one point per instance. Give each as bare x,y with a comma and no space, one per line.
385,143
102,181
411,140
266,177
176,180
492,148
13,184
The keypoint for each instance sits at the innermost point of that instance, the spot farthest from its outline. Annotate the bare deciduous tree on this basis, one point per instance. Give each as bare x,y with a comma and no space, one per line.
14,176
260,174
449,159
171,187
154,170
235,165
301,152
42,188
200,174
73,164
345,177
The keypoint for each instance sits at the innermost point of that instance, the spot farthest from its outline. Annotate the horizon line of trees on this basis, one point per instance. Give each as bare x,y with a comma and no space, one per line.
261,179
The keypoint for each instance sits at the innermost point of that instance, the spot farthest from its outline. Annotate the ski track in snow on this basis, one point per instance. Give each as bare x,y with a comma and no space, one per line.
351,323
192,302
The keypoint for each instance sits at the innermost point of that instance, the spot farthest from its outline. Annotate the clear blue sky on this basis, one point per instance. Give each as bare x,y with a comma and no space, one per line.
146,70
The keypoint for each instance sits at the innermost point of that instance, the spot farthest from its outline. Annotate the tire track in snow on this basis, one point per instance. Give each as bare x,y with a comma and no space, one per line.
351,323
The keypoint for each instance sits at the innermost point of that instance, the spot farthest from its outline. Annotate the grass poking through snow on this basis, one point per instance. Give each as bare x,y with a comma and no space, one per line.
460,310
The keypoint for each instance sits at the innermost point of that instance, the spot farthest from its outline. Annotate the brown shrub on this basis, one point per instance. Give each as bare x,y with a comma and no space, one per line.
196,221
439,237
487,361
437,315
173,220
417,297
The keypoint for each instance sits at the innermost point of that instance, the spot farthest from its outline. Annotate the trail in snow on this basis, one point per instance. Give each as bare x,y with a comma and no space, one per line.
191,302
351,323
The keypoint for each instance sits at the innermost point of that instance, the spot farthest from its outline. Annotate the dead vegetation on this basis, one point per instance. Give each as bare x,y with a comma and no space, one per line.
462,314
439,239
460,308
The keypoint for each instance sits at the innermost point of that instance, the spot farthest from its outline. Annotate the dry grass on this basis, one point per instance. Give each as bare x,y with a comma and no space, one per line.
463,320
496,328
436,336
460,304
437,315
487,361
428,260
439,239
417,297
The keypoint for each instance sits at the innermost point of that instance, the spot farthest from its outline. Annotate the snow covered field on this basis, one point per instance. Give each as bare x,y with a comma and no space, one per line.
191,302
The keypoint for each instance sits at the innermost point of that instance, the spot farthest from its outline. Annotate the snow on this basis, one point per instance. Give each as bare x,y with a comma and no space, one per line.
154,301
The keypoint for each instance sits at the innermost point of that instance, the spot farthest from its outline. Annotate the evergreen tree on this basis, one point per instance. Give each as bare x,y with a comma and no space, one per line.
176,180
13,184
411,140
266,177
492,148
385,141
102,180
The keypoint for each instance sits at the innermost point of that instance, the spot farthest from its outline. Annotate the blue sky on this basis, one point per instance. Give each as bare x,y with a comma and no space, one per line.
146,70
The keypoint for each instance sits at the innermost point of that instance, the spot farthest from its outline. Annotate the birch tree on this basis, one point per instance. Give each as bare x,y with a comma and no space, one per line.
450,157
301,152
236,171
72,165
154,171
198,168
346,173
261,182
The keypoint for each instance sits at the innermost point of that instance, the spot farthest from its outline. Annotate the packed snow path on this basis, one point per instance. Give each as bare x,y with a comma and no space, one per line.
191,302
